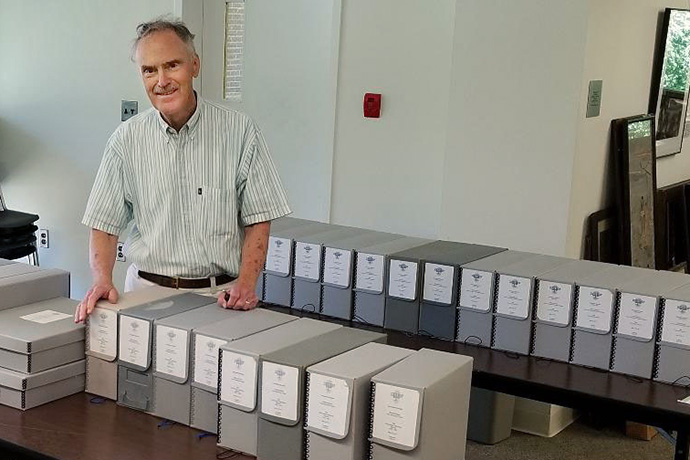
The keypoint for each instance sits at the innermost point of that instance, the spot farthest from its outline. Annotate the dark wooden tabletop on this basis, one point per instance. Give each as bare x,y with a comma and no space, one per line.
74,428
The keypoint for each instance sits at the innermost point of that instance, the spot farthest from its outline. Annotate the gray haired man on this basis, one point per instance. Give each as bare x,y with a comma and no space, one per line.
194,177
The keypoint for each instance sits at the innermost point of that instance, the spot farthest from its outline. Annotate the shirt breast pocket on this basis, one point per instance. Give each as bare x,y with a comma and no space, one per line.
219,211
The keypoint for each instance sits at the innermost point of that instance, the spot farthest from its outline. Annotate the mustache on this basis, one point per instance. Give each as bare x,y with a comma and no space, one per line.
163,90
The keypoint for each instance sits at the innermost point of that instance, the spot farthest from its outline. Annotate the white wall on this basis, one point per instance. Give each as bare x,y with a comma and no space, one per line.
65,69
387,172
481,131
461,150
511,123
289,78
620,51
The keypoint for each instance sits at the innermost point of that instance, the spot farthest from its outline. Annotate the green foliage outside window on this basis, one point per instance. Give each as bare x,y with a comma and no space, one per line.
677,61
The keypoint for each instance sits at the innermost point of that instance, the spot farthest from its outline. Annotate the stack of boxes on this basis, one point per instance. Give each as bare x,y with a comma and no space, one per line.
41,348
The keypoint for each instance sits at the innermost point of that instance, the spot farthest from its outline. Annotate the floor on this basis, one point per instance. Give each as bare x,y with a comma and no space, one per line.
578,441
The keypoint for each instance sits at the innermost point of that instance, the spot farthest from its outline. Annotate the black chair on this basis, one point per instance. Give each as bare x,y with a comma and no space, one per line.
17,234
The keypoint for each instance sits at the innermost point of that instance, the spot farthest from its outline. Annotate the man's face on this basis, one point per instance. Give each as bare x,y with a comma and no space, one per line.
168,68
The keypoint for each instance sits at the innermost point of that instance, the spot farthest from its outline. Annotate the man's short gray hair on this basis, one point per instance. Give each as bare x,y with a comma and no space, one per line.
161,24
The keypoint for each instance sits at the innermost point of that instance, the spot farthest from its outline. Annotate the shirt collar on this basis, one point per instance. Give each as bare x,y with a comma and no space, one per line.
191,124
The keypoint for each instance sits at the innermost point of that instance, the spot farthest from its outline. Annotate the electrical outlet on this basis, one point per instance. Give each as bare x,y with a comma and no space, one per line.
43,238
128,109
121,252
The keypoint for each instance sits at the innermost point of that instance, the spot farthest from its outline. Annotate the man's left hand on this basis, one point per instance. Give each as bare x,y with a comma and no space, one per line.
240,295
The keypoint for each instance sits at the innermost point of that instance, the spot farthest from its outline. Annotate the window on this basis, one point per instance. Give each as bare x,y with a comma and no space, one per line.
234,48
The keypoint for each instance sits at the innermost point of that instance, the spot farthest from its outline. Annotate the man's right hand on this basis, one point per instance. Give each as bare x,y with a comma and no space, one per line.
96,293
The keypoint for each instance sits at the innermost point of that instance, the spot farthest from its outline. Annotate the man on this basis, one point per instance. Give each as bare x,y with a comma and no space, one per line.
195,177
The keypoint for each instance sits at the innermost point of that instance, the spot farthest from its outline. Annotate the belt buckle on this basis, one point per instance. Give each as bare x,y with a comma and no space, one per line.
177,282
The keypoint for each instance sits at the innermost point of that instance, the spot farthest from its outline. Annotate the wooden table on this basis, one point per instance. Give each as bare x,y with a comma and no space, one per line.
74,428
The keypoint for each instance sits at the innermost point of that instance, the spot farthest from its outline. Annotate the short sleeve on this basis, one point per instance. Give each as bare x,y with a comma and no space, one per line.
107,209
260,192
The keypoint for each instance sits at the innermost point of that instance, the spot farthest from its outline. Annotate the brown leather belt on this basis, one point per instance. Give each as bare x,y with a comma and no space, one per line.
184,283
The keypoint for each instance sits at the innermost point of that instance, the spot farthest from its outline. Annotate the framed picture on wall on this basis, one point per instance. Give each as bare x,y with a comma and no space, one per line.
602,236
634,158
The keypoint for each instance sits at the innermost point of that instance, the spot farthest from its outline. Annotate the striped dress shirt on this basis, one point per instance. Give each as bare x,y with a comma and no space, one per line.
190,193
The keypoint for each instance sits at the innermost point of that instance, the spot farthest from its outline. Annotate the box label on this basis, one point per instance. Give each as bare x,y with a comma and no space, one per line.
308,261
514,296
238,380
206,360
402,279
280,391
45,316
329,398
396,412
636,315
337,267
676,325
172,351
438,283
594,309
278,256
103,332
475,290
554,302
135,338
369,272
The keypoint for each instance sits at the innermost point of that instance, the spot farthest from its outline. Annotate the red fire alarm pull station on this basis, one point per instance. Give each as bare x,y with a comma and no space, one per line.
372,105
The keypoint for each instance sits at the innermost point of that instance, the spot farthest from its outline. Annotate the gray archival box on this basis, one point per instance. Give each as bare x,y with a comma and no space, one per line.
280,261
440,277
40,336
135,350
553,318
25,391
475,301
338,268
514,300
238,414
420,407
402,289
340,429
593,323
371,278
282,389
9,269
635,328
673,338
204,363
33,287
